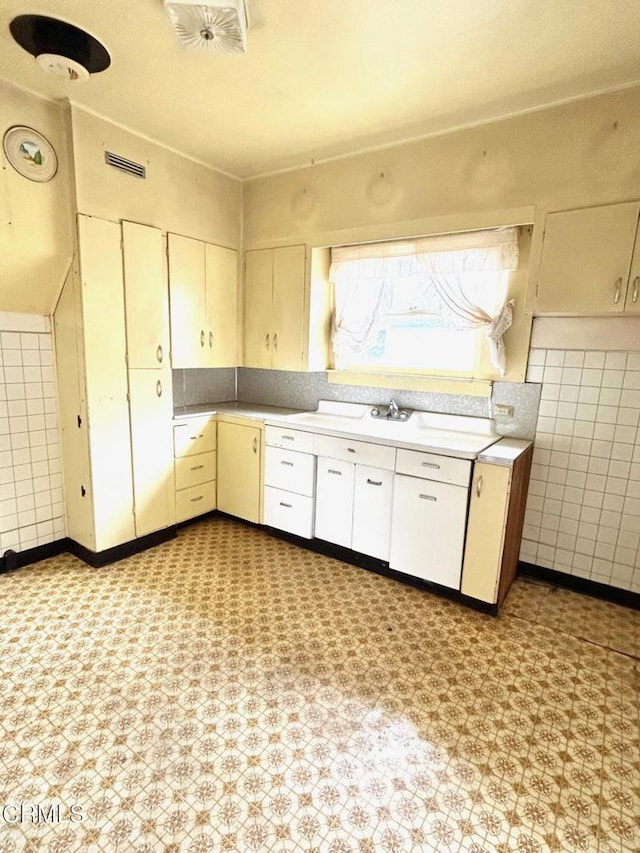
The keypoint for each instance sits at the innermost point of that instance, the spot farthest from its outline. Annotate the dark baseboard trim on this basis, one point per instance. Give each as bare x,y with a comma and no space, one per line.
98,559
380,567
583,585
17,559
213,513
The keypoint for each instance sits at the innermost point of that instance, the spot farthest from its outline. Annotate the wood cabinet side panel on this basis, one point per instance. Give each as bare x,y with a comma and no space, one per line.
515,522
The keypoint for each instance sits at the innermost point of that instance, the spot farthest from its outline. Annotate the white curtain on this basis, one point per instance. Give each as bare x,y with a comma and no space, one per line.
467,273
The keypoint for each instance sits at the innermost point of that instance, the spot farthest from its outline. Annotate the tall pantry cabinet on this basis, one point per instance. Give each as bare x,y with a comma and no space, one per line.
106,461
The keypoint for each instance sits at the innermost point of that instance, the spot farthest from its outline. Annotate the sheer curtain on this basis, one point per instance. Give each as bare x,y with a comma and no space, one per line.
463,277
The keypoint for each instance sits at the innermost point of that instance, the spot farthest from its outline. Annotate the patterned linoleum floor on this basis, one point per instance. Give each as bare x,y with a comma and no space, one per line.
230,692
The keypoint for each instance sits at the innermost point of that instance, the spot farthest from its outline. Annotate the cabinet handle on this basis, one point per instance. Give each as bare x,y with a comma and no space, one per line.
287,437
159,388
284,462
210,339
374,482
197,468
275,340
266,340
202,338
159,353
479,486
351,449
333,471
428,498
616,298
255,445
288,506
430,465
195,500
636,283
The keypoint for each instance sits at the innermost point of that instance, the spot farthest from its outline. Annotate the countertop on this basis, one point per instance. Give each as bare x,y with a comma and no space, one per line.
244,410
505,451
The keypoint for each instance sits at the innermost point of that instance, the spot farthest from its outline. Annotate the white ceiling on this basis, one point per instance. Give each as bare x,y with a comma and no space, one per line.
323,78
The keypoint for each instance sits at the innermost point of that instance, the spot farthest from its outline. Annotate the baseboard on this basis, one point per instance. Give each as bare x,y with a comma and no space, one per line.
380,567
583,585
17,559
97,559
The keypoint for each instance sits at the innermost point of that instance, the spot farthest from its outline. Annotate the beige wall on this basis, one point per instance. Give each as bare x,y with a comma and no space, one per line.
178,194
36,219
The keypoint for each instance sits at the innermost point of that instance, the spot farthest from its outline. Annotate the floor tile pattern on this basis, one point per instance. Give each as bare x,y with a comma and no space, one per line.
228,691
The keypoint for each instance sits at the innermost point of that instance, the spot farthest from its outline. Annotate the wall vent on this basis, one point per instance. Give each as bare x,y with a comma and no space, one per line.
124,165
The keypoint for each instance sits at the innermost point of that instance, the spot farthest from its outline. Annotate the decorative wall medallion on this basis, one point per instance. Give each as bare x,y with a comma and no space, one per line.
30,153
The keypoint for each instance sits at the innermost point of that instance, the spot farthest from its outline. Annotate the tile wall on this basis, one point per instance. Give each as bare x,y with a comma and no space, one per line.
31,496
583,508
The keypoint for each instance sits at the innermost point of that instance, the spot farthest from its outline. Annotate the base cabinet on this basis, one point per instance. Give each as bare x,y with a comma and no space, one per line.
428,529
373,496
194,449
334,501
239,469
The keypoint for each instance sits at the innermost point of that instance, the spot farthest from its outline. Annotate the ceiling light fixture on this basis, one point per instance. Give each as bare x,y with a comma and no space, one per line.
60,48
219,25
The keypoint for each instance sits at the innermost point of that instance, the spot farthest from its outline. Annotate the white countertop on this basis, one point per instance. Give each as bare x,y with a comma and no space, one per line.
255,411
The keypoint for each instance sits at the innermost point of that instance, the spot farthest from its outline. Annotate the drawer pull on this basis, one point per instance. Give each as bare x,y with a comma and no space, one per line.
333,471
266,340
284,462
159,353
202,338
275,340
616,298
288,506
636,282
374,482
158,388
255,445
210,339
287,437
351,449
195,500
479,486
197,468
430,465
428,497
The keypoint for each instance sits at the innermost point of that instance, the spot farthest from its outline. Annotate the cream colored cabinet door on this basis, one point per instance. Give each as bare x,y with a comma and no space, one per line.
334,501
151,412
258,308
427,529
372,502
104,344
486,531
146,296
239,461
586,260
221,272
288,307
187,301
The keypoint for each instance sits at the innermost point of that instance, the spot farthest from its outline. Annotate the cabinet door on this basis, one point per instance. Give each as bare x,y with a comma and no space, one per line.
104,343
334,501
485,531
221,269
187,301
632,302
288,307
151,412
239,470
372,511
586,257
258,330
427,529
146,296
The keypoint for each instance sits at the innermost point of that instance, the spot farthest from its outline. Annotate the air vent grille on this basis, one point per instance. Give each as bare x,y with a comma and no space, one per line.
124,165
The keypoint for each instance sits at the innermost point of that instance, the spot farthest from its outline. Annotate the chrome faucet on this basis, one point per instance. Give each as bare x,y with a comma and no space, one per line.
393,409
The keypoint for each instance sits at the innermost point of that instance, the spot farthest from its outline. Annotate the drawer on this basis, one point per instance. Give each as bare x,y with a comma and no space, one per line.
291,439
193,470
195,435
363,452
431,466
287,511
195,501
287,469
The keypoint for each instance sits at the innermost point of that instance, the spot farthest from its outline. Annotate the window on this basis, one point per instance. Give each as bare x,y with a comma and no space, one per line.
429,304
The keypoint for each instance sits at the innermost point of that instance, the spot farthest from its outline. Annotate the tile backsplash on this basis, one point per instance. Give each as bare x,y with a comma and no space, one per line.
583,508
31,491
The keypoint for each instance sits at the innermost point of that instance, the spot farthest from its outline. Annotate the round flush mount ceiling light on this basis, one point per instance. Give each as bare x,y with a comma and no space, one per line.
60,48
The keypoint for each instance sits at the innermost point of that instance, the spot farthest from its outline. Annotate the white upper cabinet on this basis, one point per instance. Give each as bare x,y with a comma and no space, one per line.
591,261
275,308
203,293
146,296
